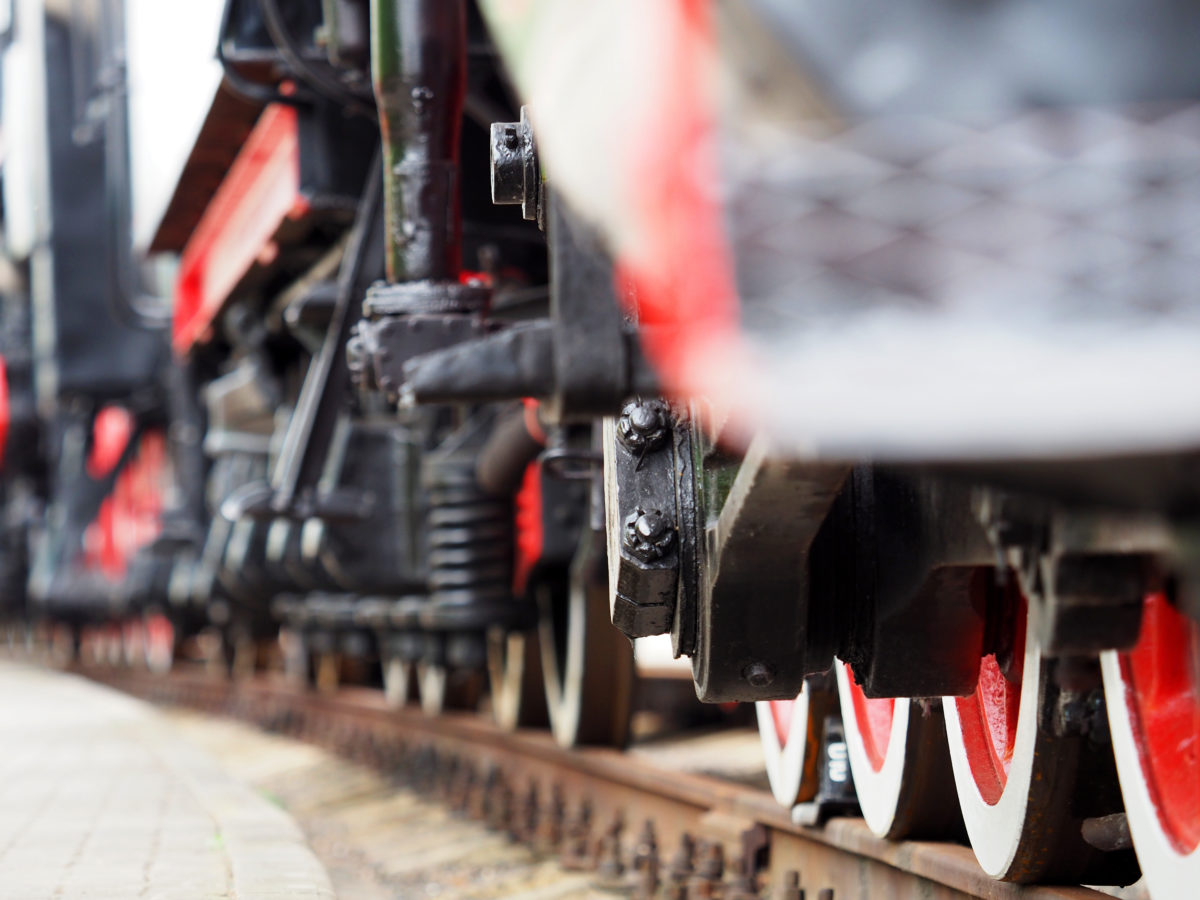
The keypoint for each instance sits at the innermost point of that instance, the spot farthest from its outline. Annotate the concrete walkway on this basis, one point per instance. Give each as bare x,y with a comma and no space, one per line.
101,797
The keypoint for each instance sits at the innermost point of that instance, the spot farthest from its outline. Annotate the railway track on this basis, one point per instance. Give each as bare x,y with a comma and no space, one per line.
638,828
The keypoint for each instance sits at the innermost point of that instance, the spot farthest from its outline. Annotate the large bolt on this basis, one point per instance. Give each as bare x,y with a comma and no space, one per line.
647,575
644,425
648,534
508,169
516,176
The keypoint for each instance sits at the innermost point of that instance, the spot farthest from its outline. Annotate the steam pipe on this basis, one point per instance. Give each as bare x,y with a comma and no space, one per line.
418,66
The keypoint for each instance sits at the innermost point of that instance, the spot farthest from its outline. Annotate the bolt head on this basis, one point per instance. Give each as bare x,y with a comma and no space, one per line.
651,525
758,674
648,534
643,425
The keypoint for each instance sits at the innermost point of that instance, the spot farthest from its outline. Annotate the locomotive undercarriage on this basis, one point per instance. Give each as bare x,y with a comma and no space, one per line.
419,443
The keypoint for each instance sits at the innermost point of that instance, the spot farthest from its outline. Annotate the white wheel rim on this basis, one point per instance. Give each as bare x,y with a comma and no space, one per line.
995,829
1169,874
397,680
133,643
506,669
432,681
878,789
564,676
785,763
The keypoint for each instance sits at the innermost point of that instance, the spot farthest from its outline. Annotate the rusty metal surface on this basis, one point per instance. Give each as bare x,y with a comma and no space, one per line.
581,805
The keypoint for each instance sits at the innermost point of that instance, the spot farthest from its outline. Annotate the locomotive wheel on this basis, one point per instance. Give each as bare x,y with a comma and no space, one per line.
515,677
790,747
399,681
238,652
899,758
112,644
1003,770
587,664
1153,698
66,644
443,688
1020,785
161,643
294,650
431,682
133,642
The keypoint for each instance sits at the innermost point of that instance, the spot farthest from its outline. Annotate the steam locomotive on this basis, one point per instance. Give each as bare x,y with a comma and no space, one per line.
854,351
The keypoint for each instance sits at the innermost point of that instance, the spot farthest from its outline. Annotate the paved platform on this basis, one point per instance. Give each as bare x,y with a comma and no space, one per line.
101,796
381,841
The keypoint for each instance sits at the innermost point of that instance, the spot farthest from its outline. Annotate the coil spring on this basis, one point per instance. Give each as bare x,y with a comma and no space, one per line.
470,537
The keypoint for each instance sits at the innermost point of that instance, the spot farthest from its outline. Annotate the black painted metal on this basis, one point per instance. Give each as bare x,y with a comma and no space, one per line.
470,535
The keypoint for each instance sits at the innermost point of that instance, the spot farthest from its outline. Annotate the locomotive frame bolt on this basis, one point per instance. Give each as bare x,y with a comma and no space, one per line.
643,425
648,534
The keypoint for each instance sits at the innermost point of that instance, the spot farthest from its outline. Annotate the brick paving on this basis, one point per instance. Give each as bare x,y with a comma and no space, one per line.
381,842
102,797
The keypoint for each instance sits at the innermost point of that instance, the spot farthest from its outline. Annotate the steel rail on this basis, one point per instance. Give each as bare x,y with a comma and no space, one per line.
568,801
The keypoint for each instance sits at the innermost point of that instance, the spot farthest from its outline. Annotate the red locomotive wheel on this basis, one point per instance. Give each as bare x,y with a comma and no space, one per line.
133,642
788,748
994,748
899,759
1018,776
1153,695
159,643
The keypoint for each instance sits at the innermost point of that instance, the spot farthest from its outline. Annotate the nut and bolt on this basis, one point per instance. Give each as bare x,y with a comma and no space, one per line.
609,866
741,884
648,534
682,863
645,864
550,821
576,853
527,814
643,425
790,889
516,175
711,867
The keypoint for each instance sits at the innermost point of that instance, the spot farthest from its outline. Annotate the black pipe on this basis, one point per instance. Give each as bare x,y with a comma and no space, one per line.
419,64
509,449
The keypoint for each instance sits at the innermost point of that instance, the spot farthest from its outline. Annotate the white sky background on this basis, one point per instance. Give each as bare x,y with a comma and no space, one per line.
173,74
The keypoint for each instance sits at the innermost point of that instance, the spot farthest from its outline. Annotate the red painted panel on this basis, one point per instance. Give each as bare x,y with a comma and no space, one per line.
260,193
